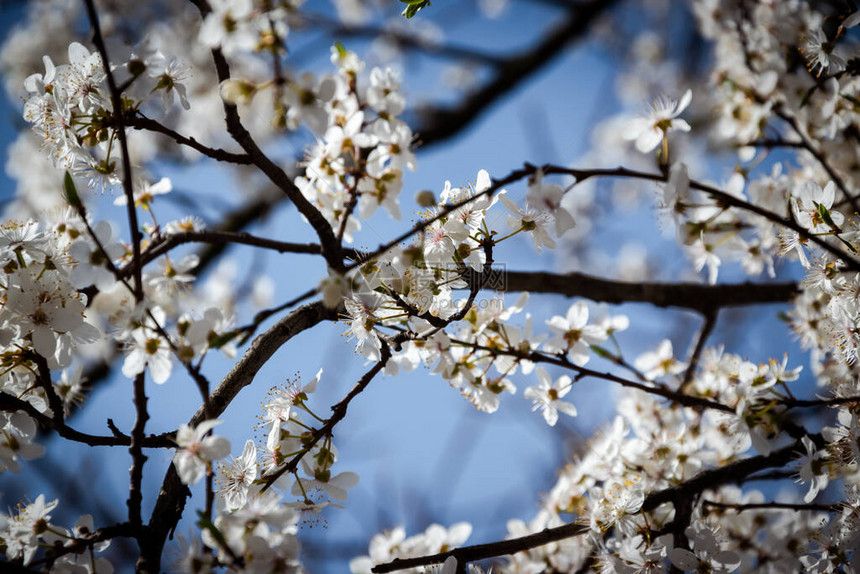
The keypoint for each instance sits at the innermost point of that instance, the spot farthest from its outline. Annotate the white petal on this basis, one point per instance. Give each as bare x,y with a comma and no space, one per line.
684,559
482,183
685,101
648,140
214,448
563,221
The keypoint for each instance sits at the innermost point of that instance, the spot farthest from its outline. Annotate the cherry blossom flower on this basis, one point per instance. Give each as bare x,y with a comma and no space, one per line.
21,533
229,26
530,220
813,470
92,262
81,77
548,196
147,349
334,487
573,334
548,394
821,54
663,118
196,451
17,431
238,476
619,502
706,555
47,307
658,363
812,208
146,192
383,94
279,408
171,75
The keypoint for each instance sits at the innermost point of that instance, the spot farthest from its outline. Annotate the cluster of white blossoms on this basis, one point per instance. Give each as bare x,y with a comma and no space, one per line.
255,528
258,536
43,322
29,528
393,544
647,493
357,163
70,109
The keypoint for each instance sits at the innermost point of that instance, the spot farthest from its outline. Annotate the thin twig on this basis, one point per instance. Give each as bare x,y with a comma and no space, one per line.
338,413
140,122
772,506
693,361
822,160
11,403
137,434
560,361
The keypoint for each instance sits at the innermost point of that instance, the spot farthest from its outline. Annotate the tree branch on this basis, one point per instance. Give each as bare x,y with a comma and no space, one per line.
695,296
772,506
441,124
171,499
140,122
338,413
10,403
330,246
708,479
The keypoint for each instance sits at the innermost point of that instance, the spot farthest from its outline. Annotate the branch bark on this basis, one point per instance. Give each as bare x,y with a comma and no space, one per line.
695,296
173,494
676,494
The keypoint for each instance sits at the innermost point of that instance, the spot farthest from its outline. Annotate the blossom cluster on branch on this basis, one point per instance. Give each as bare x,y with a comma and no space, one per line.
666,485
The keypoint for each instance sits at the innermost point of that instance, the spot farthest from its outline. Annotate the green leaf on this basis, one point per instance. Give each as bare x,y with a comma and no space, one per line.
71,192
204,523
824,214
413,7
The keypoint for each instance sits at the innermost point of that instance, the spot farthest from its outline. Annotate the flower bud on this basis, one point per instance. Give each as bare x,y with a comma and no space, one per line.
136,67
235,91
425,198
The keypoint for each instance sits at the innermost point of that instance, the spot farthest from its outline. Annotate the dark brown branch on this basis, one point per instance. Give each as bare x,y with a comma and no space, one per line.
483,551
772,506
723,198
127,181
171,499
330,246
805,403
168,242
137,434
770,143
140,122
441,124
82,543
688,490
10,403
135,494
43,377
560,361
695,296
704,333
